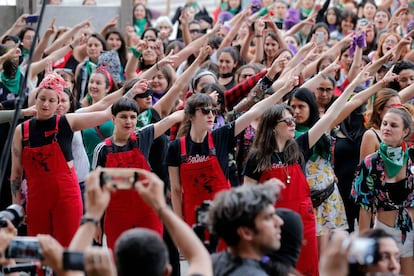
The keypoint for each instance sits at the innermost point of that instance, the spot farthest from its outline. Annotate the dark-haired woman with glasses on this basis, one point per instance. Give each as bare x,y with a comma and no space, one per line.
276,154
324,94
198,160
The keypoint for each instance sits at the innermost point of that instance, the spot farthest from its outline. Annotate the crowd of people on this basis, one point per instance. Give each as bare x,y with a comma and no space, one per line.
265,126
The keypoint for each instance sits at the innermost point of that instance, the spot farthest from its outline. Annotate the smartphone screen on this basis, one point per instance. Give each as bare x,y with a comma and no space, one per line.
23,249
73,261
118,178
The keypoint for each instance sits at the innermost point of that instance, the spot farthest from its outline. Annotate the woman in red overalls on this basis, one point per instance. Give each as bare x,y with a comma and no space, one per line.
42,147
129,148
198,160
275,154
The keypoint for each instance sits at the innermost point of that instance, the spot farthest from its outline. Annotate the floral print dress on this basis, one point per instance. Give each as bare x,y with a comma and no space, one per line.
373,193
331,213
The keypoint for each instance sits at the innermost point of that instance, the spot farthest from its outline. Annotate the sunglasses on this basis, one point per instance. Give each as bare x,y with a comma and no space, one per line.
289,121
245,76
144,95
206,110
195,31
323,89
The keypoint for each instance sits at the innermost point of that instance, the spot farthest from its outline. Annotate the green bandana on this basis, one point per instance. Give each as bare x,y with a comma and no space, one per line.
12,84
144,118
300,129
394,158
90,65
306,12
139,25
233,11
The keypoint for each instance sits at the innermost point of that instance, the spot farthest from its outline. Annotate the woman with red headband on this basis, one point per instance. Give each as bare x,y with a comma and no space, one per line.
42,146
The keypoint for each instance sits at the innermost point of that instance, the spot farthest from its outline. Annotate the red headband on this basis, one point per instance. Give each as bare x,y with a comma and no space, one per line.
101,69
55,82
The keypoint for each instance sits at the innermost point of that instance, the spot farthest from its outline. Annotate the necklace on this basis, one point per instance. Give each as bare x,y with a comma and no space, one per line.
285,168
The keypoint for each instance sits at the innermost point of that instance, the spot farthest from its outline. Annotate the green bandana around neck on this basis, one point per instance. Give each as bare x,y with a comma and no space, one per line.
144,118
300,129
394,158
90,65
139,25
12,84
233,11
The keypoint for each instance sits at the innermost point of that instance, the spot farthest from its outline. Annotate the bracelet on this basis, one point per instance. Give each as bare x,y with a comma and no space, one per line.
258,35
135,52
89,220
159,210
70,46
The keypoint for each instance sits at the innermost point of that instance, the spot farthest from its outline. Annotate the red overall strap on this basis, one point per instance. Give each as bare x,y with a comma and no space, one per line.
183,147
54,131
211,147
26,131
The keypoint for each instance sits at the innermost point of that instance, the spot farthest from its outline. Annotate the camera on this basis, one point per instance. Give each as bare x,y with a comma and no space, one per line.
201,229
73,261
14,213
202,213
363,251
24,249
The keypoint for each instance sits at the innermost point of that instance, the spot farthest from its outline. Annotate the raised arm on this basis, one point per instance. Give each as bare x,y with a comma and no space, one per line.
289,82
259,26
313,83
325,123
40,48
165,124
16,27
79,121
151,189
239,19
166,103
361,97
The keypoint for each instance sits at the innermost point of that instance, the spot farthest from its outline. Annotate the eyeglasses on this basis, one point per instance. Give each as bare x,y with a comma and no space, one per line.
245,76
289,121
324,89
195,31
206,110
144,95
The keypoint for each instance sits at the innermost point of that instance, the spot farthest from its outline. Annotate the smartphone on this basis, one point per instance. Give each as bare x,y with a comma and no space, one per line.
24,249
118,178
73,261
320,36
32,18
363,251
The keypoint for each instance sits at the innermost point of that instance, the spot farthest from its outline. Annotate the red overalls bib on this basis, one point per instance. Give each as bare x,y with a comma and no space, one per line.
296,197
199,181
54,203
126,209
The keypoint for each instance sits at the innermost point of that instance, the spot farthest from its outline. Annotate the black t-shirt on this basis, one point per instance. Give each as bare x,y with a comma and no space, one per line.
37,129
226,264
145,136
224,142
303,142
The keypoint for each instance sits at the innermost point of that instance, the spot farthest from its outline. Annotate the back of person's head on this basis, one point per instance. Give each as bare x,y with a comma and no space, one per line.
141,252
124,104
283,261
239,207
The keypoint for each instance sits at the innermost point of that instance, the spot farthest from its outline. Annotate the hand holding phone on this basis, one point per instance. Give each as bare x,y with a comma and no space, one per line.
32,18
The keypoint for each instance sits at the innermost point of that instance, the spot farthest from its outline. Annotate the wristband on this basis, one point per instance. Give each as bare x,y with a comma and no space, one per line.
70,46
89,220
135,52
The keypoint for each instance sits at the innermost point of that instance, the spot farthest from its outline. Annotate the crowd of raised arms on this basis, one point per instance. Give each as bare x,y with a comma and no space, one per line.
265,137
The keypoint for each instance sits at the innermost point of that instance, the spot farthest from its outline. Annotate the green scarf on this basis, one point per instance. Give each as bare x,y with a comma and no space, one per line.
12,84
394,158
139,25
194,5
25,52
306,12
233,11
90,65
300,129
144,118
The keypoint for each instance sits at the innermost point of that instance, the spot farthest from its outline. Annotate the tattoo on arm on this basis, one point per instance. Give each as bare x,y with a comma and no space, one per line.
129,94
15,186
